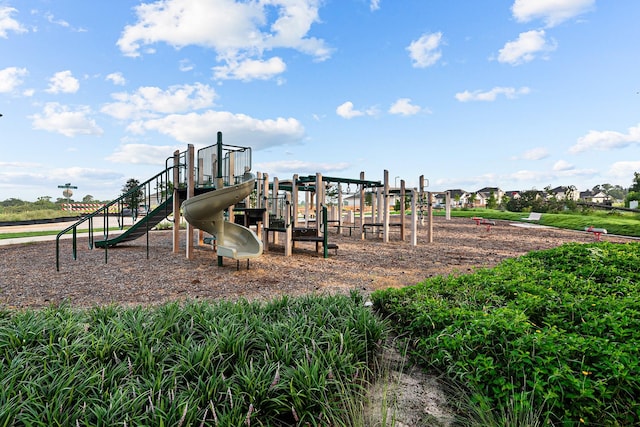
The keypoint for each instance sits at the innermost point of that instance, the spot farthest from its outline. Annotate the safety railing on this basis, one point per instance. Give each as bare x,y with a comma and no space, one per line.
235,162
153,191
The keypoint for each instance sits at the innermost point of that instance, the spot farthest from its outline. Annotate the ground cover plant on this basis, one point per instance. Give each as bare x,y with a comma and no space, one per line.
553,333
285,362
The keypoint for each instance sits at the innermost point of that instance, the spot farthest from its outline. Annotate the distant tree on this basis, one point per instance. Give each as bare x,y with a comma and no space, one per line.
634,190
133,195
570,199
636,183
87,199
529,199
331,193
492,202
44,202
504,201
368,197
407,202
616,192
553,204
12,202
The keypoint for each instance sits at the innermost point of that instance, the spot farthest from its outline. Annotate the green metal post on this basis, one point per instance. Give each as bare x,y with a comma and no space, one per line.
220,180
325,237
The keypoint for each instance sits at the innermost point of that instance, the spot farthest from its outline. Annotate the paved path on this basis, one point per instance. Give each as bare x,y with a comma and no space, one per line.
52,226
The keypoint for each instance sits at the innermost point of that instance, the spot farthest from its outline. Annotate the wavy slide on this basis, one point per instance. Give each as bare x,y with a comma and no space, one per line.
206,212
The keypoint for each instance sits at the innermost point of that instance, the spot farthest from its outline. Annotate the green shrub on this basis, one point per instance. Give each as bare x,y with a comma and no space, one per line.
555,329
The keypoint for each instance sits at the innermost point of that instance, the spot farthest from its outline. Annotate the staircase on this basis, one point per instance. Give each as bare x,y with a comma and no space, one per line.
158,188
141,227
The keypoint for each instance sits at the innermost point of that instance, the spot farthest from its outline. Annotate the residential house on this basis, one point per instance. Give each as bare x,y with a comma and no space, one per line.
459,198
595,197
564,193
484,194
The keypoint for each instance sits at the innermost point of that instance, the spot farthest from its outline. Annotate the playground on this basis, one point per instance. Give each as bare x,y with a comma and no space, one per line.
258,237
130,278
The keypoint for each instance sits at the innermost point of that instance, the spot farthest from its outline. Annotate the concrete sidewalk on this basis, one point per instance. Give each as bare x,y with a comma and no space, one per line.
55,226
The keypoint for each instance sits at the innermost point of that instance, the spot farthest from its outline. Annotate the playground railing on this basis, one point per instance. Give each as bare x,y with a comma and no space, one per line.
159,187
235,162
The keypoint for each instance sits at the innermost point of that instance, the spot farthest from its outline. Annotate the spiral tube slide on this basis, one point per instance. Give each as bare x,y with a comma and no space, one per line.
206,212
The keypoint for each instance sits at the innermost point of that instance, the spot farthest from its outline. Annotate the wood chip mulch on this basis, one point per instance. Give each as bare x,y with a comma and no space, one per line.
29,278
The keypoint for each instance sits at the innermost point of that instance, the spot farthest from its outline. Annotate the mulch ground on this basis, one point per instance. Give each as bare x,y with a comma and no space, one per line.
131,277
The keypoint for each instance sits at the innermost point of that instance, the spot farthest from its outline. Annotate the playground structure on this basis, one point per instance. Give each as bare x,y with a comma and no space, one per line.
281,202
202,186
216,193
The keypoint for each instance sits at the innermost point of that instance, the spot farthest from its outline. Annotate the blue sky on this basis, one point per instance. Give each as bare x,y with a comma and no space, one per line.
517,94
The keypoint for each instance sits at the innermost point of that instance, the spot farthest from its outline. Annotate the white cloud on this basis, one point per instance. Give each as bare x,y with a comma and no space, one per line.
526,48
606,140
508,92
537,153
250,69
60,119
404,107
239,129
7,23
142,154
76,173
11,78
63,82
561,172
116,78
624,170
55,21
553,12
562,165
425,51
185,65
290,167
25,165
237,31
374,5
148,101
347,111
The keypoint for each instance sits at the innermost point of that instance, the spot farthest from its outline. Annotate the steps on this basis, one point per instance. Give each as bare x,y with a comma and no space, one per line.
141,227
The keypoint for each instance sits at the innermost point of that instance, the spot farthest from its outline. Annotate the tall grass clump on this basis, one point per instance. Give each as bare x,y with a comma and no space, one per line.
285,362
551,336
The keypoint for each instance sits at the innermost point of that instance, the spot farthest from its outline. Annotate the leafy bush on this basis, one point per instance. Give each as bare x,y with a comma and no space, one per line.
287,362
555,329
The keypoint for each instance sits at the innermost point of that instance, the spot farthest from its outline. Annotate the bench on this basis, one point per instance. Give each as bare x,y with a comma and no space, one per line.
308,235
317,240
350,227
533,216
339,226
597,232
377,227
